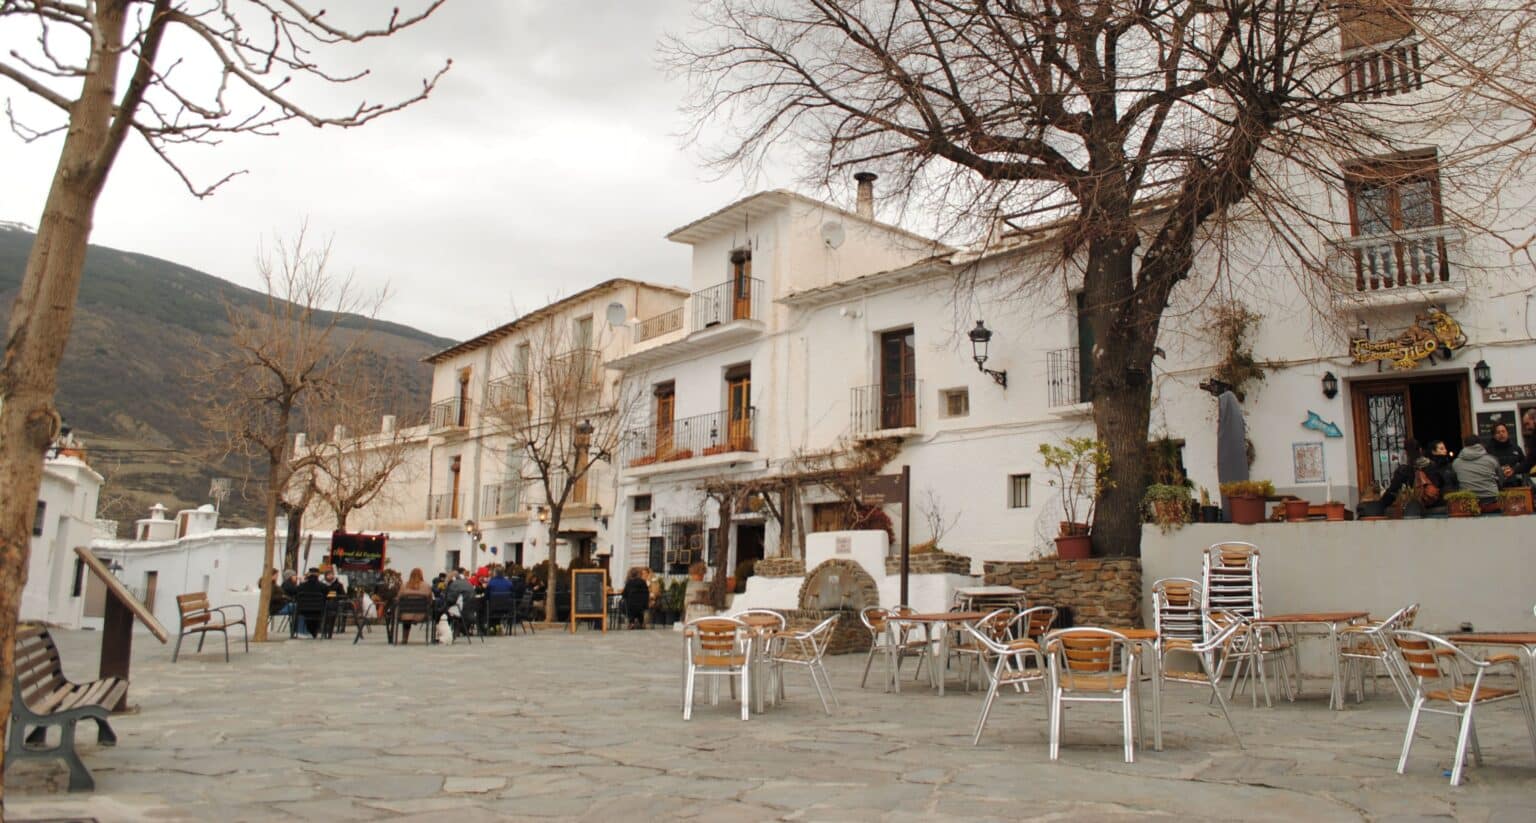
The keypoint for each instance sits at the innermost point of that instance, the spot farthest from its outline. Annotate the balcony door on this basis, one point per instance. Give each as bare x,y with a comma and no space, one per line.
666,409
738,392
741,285
898,380
461,417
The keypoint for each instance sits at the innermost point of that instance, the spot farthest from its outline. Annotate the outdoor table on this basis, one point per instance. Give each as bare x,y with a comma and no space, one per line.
1330,620
1525,641
944,622
1147,639
762,627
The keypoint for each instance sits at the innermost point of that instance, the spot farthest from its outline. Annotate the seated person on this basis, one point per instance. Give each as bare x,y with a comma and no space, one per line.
458,589
1477,471
416,585
1405,473
311,618
499,584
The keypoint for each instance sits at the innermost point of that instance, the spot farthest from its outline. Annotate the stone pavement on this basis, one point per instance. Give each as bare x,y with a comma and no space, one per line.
588,727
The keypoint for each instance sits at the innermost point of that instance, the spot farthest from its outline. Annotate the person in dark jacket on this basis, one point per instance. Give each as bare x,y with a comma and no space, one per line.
1511,458
1404,474
312,617
637,597
499,584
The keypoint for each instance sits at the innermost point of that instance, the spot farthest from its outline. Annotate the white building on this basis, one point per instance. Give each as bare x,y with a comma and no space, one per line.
57,582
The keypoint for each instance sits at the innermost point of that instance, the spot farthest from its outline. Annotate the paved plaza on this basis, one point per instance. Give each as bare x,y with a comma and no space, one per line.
588,727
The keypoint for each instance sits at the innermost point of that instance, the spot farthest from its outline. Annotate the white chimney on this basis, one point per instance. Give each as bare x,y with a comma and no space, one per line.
338,433
866,201
389,424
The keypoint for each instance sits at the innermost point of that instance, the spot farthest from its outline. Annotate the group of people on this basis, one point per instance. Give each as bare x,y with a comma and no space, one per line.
312,619
1483,467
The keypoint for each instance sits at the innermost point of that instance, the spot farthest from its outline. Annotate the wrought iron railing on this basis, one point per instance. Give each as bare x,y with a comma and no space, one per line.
1382,70
507,393
886,406
578,367
1412,257
450,414
501,499
740,299
443,507
1068,381
665,323
698,436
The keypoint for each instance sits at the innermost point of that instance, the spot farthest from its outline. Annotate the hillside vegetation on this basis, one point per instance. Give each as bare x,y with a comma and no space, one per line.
126,384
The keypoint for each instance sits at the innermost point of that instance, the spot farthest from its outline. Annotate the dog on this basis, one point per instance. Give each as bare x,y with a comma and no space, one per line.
444,631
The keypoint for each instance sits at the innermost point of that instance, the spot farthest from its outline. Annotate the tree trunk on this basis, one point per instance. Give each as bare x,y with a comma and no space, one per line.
550,579
722,554
40,323
268,551
294,538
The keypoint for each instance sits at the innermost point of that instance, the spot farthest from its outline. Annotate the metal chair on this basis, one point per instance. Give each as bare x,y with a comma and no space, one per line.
413,610
1209,673
882,641
1436,667
1361,646
716,647
1093,665
500,610
808,649
1011,669
996,625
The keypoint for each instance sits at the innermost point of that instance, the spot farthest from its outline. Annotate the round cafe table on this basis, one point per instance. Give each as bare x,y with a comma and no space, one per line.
943,622
762,627
1331,621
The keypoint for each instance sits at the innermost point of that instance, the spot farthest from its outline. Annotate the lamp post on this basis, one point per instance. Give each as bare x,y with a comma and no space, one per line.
981,339
1330,385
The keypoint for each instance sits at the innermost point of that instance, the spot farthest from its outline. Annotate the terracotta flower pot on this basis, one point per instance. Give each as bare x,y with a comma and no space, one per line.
1335,511
1463,508
1247,511
1296,510
1076,547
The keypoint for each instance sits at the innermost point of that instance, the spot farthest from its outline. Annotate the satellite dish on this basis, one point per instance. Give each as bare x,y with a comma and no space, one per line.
617,314
832,234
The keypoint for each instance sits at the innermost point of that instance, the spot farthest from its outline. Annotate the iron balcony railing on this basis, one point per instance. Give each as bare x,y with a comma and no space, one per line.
894,404
1411,257
507,393
1069,383
1382,70
698,436
443,507
739,299
578,367
450,414
653,327
501,499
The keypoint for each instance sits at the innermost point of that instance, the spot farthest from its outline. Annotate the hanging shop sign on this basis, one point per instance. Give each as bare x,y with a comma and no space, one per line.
1500,394
1430,332
358,552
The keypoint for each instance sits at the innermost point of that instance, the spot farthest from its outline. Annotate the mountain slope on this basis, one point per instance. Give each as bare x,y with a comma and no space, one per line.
126,385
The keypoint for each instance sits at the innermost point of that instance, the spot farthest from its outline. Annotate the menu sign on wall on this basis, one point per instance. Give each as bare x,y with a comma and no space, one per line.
1501,394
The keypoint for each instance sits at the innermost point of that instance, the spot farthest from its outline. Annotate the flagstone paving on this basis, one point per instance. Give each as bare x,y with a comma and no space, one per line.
588,727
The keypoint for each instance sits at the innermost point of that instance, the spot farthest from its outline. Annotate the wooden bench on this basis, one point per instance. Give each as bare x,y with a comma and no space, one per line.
41,697
197,618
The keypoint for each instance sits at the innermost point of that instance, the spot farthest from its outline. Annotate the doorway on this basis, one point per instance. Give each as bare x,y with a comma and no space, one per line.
151,582
749,542
898,380
1389,411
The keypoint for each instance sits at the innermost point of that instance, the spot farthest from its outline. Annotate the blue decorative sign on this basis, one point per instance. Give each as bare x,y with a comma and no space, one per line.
1316,423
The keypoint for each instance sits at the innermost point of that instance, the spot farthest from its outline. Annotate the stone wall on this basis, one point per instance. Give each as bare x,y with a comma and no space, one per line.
1101,591
848,635
779,567
930,563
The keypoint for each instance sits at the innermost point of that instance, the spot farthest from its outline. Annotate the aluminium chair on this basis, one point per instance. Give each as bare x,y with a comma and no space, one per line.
717,648
1012,668
807,649
1092,665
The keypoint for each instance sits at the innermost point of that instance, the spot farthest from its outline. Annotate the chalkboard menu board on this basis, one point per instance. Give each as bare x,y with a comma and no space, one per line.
589,596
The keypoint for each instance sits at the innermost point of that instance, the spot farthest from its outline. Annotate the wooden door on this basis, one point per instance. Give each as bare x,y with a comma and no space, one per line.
151,582
741,288
898,380
1383,418
462,416
739,412
665,405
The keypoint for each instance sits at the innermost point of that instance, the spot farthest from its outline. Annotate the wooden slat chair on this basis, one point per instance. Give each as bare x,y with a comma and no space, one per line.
717,647
1230,581
1206,655
1364,645
998,625
1013,657
199,619
808,649
1436,669
42,697
1093,665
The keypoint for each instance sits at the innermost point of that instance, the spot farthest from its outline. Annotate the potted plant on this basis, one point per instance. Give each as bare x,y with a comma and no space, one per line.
1514,502
1080,465
1209,512
1412,500
1297,510
1248,499
1462,504
1168,505
1334,509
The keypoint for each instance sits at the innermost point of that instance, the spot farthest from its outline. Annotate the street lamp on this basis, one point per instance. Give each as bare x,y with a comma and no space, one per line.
1330,385
981,339
473,530
1482,374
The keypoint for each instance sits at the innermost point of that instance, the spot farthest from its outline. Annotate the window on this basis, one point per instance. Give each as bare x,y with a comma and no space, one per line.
1379,54
37,519
955,402
524,358
642,503
741,284
657,551
898,379
78,586
1018,491
1394,211
581,333
514,554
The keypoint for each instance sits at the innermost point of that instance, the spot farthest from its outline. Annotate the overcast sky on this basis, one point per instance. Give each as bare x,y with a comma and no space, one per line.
544,163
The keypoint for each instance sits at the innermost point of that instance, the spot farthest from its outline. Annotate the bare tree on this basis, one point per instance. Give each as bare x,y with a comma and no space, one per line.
99,64
559,412
1125,135
289,353
351,468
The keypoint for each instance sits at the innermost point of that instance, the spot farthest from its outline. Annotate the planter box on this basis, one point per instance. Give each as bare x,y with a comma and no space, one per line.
1247,511
1296,511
